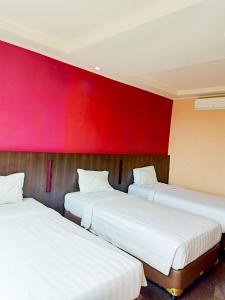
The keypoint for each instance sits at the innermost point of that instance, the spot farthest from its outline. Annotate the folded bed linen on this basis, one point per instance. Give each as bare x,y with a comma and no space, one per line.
162,237
206,205
44,256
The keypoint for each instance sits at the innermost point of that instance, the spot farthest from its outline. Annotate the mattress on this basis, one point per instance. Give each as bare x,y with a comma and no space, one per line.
209,206
158,235
44,256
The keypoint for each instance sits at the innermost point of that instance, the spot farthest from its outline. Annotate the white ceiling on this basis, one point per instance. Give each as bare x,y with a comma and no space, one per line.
175,48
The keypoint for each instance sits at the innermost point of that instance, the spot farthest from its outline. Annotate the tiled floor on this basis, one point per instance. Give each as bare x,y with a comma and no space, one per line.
209,287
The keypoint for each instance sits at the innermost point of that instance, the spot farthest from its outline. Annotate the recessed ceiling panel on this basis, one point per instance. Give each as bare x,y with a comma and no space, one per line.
67,19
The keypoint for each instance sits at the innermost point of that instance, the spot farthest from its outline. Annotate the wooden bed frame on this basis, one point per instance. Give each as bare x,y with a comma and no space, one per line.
223,244
49,176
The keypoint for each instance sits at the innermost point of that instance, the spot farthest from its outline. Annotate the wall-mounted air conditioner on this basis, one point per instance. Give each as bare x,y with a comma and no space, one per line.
212,103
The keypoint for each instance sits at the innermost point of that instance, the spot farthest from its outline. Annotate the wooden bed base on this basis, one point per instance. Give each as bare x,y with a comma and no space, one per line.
177,280
223,243
72,217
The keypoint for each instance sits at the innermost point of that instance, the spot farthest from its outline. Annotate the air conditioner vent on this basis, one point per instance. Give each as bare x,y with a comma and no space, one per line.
214,103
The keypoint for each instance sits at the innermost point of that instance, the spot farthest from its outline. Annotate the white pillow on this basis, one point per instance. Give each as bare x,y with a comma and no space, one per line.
11,188
145,175
93,181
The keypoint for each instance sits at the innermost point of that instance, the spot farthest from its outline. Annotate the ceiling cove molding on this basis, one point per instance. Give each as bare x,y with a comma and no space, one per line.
211,91
155,86
144,15
18,32
173,93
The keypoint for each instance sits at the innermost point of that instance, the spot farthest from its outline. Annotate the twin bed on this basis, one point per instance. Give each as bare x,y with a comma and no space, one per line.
44,256
205,205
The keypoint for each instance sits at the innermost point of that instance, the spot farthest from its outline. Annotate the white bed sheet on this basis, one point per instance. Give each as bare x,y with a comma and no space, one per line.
160,236
209,206
75,206
44,256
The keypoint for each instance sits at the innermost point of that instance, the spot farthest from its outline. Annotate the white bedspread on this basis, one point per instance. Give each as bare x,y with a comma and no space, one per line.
156,234
46,257
75,208
209,206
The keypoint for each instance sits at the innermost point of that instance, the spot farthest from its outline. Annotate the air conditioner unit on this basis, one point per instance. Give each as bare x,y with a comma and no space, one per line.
213,103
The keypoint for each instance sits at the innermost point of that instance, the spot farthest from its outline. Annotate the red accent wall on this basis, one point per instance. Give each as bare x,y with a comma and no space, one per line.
46,105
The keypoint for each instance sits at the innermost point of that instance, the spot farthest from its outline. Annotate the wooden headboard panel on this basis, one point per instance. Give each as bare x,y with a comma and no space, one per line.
63,176
34,165
130,162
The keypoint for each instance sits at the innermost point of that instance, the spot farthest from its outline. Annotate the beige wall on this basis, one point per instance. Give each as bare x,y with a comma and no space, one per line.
197,148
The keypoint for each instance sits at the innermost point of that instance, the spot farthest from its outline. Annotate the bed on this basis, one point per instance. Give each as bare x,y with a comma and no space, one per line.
44,256
209,206
173,256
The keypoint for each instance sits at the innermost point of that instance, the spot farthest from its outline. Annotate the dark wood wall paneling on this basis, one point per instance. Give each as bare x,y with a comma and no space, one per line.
64,176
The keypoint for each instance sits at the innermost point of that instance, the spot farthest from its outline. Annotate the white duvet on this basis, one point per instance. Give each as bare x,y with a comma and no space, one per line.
209,206
160,236
46,257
